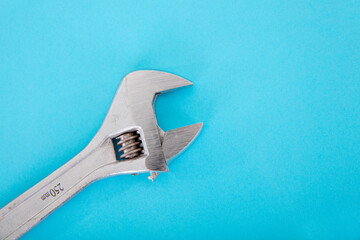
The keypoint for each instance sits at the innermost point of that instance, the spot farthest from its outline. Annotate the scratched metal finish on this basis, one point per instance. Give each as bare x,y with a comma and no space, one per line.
140,88
131,109
177,140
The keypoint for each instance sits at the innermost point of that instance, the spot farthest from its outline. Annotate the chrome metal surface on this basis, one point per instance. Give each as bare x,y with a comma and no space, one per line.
177,140
130,112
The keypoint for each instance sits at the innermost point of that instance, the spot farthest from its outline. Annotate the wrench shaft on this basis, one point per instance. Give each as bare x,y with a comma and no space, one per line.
27,210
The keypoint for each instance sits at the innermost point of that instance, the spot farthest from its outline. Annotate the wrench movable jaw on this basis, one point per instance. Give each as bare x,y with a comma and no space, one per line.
176,141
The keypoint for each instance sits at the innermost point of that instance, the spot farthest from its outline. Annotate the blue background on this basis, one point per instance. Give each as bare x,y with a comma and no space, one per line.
276,83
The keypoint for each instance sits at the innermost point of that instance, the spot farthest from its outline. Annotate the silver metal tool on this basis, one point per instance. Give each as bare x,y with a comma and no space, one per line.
128,142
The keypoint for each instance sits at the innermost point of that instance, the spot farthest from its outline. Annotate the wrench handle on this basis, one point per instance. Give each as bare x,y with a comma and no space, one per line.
27,210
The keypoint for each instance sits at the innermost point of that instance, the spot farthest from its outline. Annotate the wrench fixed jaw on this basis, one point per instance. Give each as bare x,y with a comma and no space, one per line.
132,110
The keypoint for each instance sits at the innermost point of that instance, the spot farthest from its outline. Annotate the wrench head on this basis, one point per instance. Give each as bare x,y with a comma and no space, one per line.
132,110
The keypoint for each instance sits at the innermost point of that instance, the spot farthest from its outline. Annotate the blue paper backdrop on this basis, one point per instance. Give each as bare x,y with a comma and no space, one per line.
276,83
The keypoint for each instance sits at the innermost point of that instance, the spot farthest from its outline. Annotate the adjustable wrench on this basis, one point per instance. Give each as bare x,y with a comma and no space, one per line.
128,142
